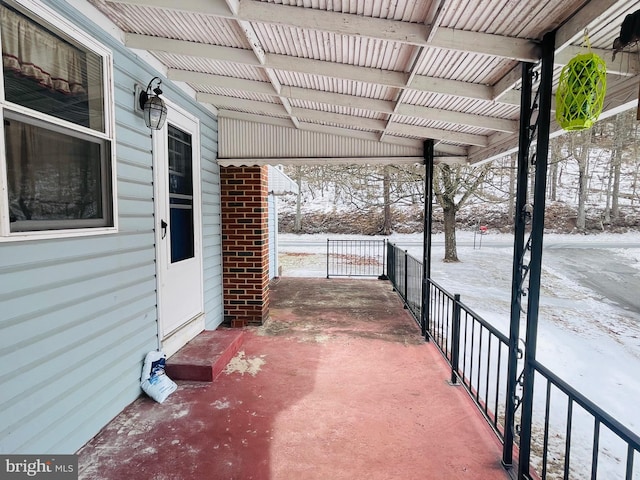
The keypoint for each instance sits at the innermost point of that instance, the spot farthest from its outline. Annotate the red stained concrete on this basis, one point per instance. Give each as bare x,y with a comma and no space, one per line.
338,385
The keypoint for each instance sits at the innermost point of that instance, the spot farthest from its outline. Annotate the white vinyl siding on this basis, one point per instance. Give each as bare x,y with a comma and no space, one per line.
46,125
79,314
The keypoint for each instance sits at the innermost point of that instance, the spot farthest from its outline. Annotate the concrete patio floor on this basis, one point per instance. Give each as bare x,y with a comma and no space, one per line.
337,385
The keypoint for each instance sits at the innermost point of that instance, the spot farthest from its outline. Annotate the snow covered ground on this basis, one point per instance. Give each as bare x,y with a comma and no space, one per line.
587,340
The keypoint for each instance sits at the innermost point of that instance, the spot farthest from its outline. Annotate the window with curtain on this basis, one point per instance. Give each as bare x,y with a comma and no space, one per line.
56,145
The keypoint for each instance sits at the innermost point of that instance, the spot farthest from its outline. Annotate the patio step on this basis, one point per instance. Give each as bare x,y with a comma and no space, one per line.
204,357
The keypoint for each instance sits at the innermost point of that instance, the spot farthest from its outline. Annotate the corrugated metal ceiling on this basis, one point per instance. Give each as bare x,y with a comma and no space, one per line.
381,71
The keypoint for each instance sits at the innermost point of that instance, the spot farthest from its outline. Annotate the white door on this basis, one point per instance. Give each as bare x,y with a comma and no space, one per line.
178,230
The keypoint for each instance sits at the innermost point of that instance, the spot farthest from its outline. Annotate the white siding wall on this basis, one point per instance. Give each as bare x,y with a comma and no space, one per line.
78,315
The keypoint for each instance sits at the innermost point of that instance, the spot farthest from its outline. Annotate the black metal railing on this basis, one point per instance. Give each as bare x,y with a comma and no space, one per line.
356,258
475,350
579,439
405,274
478,355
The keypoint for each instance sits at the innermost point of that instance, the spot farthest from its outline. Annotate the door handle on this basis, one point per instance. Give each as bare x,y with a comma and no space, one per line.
163,226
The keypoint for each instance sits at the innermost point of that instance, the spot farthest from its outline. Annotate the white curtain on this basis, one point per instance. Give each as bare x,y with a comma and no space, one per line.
50,176
31,51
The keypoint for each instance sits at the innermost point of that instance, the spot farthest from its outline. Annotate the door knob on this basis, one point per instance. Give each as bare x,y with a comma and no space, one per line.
163,226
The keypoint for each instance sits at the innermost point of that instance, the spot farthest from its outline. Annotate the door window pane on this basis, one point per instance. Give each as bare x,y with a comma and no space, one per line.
180,194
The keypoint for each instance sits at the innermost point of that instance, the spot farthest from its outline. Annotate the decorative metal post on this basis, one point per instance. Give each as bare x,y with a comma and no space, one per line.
426,242
535,267
455,340
406,279
519,269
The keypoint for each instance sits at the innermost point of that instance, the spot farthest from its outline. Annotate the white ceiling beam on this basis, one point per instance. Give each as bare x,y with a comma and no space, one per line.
437,134
340,131
312,67
350,24
337,70
388,30
592,12
442,149
451,87
486,44
232,103
256,118
335,22
512,97
276,61
340,99
223,102
192,49
266,88
506,83
500,145
218,8
404,141
626,63
329,98
227,103
458,118
340,119
231,83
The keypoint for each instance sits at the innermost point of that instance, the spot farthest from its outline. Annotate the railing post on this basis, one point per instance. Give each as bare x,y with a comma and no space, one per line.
327,258
518,269
455,340
537,233
391,264
426,308
385,264
428,153
406,278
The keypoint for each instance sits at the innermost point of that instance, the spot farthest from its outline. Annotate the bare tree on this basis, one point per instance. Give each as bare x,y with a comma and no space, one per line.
580,147
453,185
387,223
297,224
512,184
624,136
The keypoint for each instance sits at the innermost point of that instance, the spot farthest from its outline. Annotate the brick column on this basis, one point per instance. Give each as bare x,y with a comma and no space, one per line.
245,245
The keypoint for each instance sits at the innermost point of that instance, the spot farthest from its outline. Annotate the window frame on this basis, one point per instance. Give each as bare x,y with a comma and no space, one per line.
48,18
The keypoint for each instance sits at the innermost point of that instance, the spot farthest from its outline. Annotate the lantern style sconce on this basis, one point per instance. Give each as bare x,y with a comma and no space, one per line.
153,107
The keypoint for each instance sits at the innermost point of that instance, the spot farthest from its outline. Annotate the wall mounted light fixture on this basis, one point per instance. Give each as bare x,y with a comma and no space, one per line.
153,107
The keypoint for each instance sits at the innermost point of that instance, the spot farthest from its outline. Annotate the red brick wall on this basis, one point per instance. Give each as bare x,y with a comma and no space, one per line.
245,244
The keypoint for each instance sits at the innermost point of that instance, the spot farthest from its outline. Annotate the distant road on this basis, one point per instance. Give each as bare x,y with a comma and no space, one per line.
602,271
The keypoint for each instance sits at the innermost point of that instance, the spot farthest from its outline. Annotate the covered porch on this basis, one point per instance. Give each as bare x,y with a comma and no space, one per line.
338,384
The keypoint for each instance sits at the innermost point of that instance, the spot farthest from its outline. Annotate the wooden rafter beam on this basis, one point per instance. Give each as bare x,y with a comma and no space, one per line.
349,24
349,101
312,67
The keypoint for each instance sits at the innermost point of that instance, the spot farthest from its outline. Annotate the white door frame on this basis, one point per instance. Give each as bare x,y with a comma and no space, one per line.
168,285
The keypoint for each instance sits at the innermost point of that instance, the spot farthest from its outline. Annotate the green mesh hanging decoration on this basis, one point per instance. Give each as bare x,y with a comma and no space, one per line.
581,91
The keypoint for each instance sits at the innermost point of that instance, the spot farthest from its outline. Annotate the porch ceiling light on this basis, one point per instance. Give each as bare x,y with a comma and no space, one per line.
154,108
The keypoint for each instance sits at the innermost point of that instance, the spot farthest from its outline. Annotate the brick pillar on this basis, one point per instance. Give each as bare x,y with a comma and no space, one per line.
245,245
